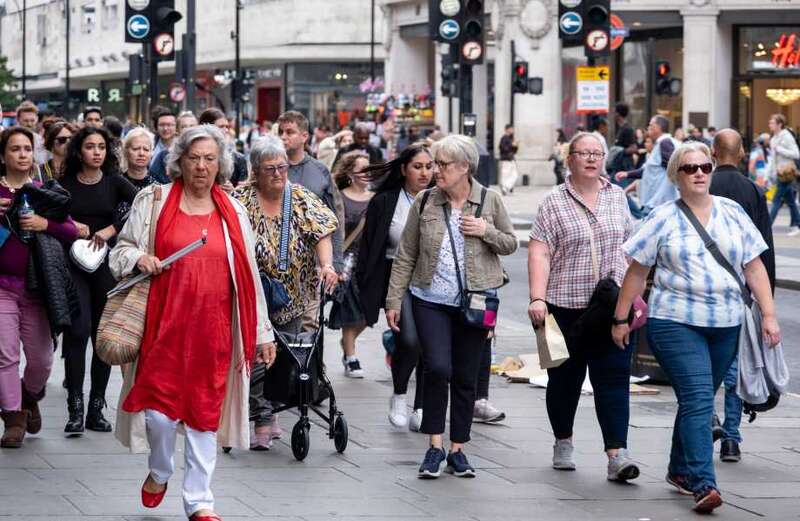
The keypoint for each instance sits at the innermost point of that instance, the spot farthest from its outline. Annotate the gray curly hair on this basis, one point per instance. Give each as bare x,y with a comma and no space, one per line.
184,141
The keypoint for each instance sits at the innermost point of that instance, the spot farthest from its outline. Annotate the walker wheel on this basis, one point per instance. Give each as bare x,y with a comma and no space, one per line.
340,433
226,450
301,440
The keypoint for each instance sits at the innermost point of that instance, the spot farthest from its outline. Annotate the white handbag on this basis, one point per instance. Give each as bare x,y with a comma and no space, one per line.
85,256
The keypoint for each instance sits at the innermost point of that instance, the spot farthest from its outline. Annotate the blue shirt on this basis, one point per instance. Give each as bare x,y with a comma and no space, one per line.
655,188
690,287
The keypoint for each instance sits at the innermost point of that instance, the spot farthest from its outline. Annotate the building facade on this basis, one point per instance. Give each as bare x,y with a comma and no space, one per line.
313,55
738,62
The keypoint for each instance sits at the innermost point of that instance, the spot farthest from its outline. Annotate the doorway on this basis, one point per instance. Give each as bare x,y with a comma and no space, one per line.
269,103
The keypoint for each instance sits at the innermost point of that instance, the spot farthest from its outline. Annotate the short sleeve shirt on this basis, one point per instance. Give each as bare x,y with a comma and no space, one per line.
562,225
689,285
311,221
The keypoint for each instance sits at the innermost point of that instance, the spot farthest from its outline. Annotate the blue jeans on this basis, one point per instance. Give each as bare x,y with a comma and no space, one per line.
785,194
696,360
733,405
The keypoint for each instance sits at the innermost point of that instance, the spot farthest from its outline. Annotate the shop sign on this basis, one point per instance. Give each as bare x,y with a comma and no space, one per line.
94,95
785,54
593,89
618,31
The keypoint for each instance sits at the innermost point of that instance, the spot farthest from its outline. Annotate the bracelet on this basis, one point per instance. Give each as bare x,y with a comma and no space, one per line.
328,266
619,322
537,299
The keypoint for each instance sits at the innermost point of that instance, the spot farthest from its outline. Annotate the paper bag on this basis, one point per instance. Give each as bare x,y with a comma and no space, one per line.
551,344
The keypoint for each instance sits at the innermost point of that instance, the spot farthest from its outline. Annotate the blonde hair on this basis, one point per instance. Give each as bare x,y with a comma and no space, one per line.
677,156
127,142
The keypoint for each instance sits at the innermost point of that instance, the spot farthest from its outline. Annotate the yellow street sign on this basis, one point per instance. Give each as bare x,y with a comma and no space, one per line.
597,73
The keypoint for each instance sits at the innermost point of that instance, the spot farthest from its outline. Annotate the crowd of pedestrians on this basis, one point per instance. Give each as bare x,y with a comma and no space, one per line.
307,217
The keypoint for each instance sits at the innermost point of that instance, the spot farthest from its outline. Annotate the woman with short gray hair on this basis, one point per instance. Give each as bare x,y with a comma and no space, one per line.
206,322
452,242
137,148
307,248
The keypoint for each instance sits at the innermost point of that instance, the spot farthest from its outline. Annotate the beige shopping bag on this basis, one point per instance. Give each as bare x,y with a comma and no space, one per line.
551,344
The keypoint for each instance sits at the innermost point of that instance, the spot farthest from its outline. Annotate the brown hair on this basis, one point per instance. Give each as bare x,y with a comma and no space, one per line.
292,116
210,115
27,106
54,130
346,166
780,119
5,137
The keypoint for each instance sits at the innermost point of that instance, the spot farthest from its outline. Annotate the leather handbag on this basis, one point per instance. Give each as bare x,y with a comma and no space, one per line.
478,308
86,256
119,335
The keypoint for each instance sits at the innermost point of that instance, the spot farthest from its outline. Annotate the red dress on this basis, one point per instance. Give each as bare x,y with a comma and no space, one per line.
187,345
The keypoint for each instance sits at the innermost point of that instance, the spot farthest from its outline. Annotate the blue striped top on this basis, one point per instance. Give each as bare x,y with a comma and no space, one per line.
689,285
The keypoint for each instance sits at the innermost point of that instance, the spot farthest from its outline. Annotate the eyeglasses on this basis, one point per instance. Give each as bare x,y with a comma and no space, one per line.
589,154
195,160
62,139
443,164
691,168
273,169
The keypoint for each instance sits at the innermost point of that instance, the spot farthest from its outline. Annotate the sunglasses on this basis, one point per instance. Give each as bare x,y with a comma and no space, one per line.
62,139
691,168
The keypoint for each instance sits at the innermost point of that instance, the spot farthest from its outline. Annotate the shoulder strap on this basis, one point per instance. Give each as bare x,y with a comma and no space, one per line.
424,201
286,219
713,249
151,239
592,246
355,233
446,210
480,206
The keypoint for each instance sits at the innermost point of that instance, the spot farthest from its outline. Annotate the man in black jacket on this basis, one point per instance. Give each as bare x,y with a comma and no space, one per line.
728,181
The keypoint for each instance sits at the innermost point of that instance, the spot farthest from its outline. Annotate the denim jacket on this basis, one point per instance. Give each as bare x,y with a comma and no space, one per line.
418,252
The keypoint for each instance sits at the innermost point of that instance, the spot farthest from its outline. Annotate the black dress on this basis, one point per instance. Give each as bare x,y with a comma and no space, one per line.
346,310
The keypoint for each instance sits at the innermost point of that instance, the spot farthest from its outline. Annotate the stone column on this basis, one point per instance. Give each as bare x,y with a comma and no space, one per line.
480,99
533,26
707,65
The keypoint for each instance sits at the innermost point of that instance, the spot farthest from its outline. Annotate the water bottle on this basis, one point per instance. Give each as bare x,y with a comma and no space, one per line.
24,211
349,264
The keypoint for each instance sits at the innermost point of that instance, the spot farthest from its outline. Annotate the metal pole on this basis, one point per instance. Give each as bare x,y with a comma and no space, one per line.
513,59
465,93
66,68
237,94
372,42
24,39
191,56
153,88
650,80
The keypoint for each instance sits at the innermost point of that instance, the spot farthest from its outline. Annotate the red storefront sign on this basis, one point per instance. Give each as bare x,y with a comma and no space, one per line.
786,54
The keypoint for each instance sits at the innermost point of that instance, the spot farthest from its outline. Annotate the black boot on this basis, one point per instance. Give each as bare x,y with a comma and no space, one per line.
74,426
94,416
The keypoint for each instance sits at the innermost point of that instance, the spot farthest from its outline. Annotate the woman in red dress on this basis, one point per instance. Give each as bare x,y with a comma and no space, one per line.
206,321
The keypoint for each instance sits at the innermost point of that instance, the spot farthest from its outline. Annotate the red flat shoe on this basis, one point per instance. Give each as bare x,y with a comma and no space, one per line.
151,500
212,517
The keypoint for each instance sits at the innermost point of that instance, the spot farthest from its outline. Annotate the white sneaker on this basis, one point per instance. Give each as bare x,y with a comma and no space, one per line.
562,455
415,420
793,232
352,368
398,411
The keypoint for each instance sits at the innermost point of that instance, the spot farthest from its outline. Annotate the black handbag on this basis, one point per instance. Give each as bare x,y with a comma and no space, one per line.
478,308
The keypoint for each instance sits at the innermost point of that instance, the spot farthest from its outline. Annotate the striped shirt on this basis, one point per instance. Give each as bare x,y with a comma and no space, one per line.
690,287
561,225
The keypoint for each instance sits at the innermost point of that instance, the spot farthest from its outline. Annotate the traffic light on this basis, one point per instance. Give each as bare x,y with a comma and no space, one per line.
597,27
152,22
519,78
449,76
665,83
471,41
443,23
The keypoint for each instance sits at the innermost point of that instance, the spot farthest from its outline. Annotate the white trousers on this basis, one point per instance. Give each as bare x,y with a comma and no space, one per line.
201,457
508,175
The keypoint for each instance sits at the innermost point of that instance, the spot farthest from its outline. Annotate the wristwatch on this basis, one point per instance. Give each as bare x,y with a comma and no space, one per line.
618,322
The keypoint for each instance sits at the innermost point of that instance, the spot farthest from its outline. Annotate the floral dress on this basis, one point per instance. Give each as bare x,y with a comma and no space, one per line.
311,221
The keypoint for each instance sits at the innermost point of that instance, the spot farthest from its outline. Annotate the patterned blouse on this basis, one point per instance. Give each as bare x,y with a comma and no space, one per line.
561,225
311,221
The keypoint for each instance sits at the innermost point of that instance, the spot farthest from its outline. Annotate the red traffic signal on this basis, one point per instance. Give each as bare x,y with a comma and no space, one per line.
519,79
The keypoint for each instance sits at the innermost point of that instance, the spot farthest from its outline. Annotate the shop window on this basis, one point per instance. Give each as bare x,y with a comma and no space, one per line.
110,14
769,50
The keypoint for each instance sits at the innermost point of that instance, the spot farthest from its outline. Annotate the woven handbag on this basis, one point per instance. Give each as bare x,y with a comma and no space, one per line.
119,335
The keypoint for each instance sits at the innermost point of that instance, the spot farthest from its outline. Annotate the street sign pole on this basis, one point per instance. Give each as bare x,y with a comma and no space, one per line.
153,87
190,56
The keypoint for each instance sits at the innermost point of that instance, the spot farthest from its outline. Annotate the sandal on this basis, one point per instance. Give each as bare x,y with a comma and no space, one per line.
210,517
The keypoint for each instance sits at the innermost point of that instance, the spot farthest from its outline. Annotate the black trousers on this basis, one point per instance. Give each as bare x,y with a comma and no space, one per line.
452,355
92,289
407,356
609,371
484,372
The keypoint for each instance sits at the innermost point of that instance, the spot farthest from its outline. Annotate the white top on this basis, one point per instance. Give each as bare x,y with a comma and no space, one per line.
404,202
444,284
691,287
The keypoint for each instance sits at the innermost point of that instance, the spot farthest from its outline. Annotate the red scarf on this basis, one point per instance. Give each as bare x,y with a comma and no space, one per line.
246,292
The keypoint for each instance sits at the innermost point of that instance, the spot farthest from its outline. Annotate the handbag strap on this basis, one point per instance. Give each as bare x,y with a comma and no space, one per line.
446,210
151,239
355,233
592,245
286,218
714,250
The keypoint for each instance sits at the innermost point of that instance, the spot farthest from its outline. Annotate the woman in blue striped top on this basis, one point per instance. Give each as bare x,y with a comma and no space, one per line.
695,308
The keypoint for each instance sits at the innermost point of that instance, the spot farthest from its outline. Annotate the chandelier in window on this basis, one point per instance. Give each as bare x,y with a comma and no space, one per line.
783,96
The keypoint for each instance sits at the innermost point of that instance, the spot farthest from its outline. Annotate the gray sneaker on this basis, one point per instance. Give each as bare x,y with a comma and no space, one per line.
485,412
562,455
621,467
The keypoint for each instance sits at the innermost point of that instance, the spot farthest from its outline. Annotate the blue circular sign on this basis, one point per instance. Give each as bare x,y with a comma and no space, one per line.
571,23
449,29
138,26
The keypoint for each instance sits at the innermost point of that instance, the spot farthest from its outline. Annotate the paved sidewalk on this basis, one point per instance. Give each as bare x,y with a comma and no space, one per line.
523,204
94,478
